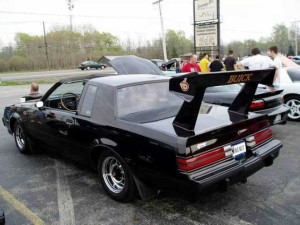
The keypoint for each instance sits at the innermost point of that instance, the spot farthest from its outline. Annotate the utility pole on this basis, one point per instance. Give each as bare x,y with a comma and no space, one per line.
162,30
296,35
46,46
71,7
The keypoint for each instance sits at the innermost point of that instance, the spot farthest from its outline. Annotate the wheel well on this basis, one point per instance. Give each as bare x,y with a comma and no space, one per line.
12,124
95,154
290,95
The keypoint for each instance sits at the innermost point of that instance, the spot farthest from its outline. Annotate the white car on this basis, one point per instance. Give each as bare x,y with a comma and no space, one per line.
290,83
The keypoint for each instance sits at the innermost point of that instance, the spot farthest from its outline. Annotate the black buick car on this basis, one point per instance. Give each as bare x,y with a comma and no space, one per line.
148,132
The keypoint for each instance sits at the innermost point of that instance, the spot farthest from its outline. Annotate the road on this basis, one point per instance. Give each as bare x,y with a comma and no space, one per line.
46,189
50,74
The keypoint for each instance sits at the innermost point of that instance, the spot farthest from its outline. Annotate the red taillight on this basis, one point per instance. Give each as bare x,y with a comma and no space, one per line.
263,135
257,104
259,137
201,160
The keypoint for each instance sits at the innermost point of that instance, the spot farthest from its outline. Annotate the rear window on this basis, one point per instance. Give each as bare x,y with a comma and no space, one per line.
294,74
152,101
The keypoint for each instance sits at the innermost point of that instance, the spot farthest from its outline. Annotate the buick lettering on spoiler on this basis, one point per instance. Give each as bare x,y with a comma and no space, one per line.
239,78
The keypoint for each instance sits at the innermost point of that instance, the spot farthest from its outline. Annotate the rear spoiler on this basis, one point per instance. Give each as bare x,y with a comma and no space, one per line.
191,88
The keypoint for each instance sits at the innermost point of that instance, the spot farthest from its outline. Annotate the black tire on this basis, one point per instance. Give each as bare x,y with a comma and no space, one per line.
21,139
102,67
88,68
118,183
293,102
82,68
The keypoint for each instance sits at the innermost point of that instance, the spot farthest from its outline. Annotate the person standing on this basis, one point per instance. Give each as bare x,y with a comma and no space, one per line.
273,50
256,61
230,62
204,63
177,66
216,65
191,66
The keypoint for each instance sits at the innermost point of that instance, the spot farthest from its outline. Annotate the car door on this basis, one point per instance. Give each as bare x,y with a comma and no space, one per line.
53,124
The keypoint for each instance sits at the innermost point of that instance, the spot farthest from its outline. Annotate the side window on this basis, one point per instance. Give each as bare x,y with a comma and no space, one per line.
88,101
65,91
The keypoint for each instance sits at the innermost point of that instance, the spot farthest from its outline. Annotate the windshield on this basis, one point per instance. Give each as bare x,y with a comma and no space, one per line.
147,102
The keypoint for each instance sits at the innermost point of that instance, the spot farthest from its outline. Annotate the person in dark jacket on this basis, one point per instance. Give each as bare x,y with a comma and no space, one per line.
230,62
216,65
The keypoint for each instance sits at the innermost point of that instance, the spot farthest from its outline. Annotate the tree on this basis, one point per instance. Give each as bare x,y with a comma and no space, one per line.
177,43
280,37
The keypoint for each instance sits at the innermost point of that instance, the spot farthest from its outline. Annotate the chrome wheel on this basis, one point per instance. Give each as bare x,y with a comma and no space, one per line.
294,106
113,174
20,137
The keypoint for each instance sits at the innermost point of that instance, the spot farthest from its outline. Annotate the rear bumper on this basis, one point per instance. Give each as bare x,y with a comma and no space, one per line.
236,171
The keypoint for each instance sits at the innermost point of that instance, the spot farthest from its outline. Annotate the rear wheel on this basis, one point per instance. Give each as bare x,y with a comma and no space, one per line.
21,139
115,177
293,102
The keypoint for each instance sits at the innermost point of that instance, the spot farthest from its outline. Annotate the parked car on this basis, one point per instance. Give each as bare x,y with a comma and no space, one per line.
296,59
170,64
290,83
149,132
87,65
265,101
158,62
2,217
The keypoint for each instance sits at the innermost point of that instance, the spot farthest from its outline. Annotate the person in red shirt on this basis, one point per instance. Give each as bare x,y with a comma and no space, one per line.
191,66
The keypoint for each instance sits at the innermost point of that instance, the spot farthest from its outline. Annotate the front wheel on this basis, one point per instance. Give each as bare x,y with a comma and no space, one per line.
88,68
21,139
293,102
115,177
102,67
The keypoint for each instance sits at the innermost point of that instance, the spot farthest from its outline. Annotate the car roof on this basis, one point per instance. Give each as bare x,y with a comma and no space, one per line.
125,80
89,77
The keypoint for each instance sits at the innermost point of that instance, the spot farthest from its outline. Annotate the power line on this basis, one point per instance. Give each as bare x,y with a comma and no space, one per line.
11,22
87,16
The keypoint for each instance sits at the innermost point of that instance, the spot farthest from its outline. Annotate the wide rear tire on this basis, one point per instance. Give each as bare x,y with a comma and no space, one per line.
116,177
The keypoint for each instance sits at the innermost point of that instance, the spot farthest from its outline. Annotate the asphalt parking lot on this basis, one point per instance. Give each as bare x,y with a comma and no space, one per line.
46,189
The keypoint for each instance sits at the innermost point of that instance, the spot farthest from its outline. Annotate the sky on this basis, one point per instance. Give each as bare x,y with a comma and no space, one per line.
140,20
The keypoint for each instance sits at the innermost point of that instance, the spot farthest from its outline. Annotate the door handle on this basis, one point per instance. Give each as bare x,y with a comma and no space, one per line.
69,121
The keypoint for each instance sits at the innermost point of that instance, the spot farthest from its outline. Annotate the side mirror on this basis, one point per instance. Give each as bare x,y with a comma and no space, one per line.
39,104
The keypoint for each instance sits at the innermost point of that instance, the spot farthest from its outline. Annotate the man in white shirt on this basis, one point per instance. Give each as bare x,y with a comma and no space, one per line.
273,51
256,61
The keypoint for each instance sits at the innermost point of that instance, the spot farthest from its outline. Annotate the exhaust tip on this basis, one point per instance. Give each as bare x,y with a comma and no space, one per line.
223,185
269,160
